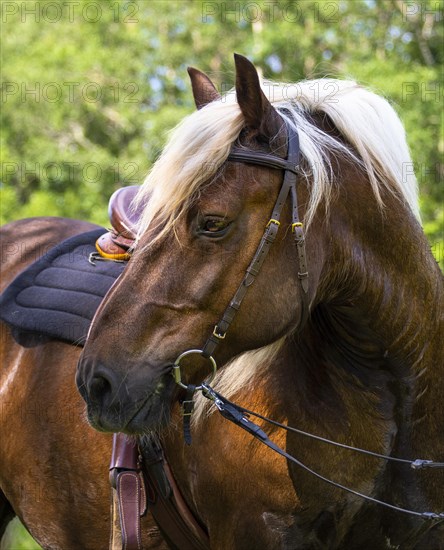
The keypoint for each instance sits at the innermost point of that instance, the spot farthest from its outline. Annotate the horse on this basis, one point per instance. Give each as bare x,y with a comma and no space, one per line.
338,334
53,465
347,347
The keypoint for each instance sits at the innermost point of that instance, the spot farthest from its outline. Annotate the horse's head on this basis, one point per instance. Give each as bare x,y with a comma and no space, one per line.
199,233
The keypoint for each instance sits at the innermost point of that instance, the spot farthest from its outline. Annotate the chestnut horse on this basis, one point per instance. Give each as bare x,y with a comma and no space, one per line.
53,465
353,352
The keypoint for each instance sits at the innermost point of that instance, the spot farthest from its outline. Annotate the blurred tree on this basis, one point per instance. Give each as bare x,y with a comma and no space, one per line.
90,88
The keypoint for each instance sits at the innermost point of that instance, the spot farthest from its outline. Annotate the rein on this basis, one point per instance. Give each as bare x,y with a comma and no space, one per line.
239,416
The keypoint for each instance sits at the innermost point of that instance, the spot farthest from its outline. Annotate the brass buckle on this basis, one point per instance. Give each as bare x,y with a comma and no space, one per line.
277,222
296,224
218,334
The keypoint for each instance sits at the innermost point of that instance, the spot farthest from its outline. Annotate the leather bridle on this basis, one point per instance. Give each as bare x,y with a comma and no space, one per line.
290,166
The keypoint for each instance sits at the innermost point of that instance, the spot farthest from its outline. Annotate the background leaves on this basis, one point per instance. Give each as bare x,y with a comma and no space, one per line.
91,88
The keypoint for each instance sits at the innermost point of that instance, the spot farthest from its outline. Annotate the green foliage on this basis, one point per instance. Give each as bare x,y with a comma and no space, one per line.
18,538
90,89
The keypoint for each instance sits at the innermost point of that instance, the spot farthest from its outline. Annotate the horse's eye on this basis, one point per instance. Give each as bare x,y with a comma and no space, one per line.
214,227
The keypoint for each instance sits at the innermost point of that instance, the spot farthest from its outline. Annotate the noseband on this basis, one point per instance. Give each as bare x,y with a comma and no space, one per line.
290,167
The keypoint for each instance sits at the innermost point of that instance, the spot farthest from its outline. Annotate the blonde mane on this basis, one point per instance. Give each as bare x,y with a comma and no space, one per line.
200,144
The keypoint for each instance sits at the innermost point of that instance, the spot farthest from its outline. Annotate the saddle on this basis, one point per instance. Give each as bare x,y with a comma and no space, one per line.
117,243
56,297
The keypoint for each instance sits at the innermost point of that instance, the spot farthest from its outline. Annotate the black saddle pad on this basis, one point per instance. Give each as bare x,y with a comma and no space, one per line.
57,296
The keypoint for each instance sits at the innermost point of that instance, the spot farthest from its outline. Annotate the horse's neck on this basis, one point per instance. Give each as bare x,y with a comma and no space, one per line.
382,275
382,330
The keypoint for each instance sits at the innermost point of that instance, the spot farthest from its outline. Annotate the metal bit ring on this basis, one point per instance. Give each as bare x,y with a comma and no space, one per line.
176,367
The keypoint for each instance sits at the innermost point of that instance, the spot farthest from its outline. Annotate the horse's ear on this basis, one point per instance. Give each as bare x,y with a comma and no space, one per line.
259,114
204,90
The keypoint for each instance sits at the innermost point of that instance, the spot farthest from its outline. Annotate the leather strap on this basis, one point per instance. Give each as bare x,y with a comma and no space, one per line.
241,417
125,453
187,411
177,523
290,166
264,159
170,511
128,491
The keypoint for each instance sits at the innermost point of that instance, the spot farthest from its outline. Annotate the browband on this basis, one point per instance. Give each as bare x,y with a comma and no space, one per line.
238,154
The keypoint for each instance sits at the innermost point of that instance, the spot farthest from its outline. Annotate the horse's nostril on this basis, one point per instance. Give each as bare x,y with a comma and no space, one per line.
99,386
102,385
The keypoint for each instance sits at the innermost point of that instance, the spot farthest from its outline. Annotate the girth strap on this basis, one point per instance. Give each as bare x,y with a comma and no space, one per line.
178,525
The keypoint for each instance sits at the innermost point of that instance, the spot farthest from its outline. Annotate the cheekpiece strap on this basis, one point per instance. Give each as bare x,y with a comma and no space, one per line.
290,166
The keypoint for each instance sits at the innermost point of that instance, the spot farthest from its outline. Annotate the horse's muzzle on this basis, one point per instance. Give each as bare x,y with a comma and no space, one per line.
117,403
